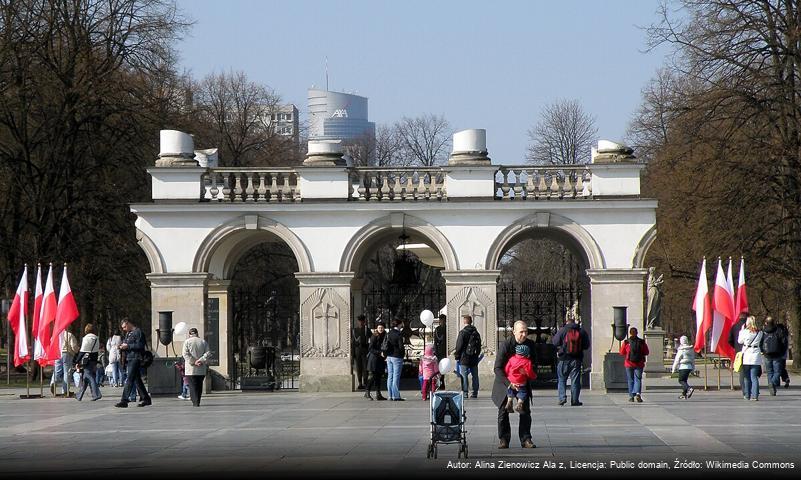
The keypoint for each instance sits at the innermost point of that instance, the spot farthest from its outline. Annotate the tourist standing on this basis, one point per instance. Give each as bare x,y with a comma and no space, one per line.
750,337
774,347
685,364
429,369
501,386
634,350
784,374
468,350
87,363
394,350
133,346
62,366
375,362
102,361
570,341
441,344
196,355
113,349
733,333
360,342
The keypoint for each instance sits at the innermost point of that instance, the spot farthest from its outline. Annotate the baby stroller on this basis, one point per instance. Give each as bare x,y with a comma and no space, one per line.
447,422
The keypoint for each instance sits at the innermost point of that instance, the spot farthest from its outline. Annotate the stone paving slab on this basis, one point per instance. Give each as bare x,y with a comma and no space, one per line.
331,435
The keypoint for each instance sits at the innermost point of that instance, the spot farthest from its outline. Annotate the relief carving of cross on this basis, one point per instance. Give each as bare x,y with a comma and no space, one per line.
323,315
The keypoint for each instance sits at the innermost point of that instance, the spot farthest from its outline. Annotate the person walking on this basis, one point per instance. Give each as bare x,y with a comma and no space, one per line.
133,346
394,350
375,363
196,355
360,343
750,337
441,344
684,362
113,349
773,346
468,349
62,366
634,350
501,385
785,376
87,363
570,341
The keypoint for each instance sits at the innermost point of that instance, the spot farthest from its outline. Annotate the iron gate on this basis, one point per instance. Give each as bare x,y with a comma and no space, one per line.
543,306
269,319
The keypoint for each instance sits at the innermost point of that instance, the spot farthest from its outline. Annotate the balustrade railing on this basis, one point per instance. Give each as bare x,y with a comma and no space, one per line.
385,184
543,183
250,185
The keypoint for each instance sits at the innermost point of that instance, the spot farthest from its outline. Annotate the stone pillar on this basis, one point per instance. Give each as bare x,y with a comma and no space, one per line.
183,294
325,332
219,310
612,288
473,292
655,363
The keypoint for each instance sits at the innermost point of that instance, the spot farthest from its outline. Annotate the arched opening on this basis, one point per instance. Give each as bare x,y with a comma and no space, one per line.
265,327
397,276
543,279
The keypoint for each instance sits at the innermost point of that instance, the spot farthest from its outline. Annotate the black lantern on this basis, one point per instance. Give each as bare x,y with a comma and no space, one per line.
404,271
620,326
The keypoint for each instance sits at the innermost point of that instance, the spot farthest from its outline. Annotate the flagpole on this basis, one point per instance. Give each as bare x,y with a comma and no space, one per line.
706,360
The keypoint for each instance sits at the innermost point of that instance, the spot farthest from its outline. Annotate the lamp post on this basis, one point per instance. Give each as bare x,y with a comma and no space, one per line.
5,306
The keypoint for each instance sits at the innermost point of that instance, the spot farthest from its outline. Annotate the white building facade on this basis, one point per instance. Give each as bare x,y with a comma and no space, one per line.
202,221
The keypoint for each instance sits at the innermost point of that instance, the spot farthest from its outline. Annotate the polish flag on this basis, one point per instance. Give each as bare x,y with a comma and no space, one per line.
741,305
702,308
46,319
66,312
17,320
38,344
722,314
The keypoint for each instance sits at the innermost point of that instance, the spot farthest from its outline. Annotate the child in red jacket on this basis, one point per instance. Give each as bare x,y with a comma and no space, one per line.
518,371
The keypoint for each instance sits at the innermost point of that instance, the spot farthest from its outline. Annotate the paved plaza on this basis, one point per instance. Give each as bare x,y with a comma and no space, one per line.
338,434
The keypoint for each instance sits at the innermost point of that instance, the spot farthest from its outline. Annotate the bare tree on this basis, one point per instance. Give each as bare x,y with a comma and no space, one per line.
424,140
236,116
388,147
563,136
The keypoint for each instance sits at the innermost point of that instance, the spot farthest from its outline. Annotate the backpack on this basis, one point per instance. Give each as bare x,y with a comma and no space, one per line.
573,342
147,359
385,343
473,347
773,343
635,350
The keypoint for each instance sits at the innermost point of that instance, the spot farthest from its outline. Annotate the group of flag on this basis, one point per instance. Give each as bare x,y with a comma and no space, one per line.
51,317
721,312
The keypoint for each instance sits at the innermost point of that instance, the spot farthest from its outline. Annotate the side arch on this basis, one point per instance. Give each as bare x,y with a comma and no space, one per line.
240,234
361,241
152,252
643,246
543,220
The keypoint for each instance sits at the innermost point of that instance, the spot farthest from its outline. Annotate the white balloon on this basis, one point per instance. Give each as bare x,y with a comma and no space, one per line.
427,318
445,365
180,328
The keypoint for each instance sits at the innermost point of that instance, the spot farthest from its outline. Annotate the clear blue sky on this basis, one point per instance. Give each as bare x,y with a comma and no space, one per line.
490,65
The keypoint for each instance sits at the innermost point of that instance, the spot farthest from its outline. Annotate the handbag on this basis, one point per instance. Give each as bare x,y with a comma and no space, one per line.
738,362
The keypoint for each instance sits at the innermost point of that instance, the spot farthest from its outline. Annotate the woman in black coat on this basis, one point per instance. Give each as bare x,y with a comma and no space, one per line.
376,364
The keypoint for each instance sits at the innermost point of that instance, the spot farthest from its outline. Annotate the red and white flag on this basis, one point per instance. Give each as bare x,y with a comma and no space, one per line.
17,320
38,345
722,313
48,316
66,312
703,309
741,304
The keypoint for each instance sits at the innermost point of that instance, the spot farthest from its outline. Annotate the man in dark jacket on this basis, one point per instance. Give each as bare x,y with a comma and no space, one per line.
133,346
733,333
501,385
360,343
468,361
570,342
395,352
773,346
441,344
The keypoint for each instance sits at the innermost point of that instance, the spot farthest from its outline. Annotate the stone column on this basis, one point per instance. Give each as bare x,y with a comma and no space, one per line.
325,332
655,363
183,294
473,292
612,288
222,360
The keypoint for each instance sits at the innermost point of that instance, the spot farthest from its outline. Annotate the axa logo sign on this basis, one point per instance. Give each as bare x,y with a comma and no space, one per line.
340,113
